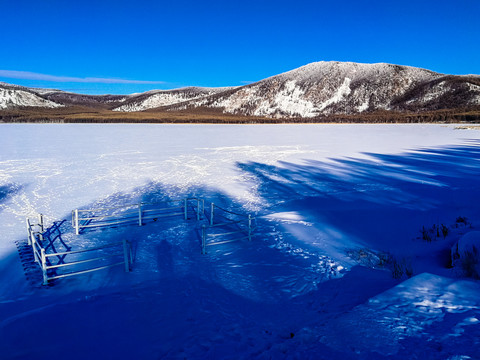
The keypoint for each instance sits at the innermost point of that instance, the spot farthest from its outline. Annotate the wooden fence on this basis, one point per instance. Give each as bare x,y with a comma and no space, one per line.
225,226
54,264
222,223
135,213
35,236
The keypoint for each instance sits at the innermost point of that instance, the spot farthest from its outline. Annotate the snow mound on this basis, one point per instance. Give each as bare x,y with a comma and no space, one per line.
421,309
466,254
468,242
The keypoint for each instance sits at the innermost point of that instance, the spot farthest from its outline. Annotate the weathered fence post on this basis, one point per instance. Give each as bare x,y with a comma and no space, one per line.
40,222
211,213
34,248
44,266
204,235
76,222
40,225
249,227
29,232
140,214
185,203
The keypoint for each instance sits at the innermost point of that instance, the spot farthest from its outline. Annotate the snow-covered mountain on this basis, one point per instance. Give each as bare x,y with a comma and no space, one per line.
14,96
17,96
159,98
313,90
324,88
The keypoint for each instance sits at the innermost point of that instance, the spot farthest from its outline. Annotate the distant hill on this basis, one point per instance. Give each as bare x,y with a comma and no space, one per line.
326,88
315,91
13,96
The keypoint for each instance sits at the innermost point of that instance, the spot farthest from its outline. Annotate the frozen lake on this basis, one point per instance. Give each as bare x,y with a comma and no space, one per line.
54,168
329,200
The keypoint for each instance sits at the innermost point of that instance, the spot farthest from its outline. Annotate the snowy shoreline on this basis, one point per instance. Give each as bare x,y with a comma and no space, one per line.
455,120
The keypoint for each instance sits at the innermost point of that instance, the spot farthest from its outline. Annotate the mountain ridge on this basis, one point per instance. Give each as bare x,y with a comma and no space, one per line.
322,88
311,91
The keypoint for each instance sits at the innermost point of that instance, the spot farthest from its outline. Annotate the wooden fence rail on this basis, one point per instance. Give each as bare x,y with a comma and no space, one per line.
50,271
211,234
123,256
135,213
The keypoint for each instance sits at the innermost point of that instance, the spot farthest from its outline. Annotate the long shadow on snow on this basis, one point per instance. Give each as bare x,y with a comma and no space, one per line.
366,199
358,197
378,198
171,246
236,287
173,317
7,191
258,271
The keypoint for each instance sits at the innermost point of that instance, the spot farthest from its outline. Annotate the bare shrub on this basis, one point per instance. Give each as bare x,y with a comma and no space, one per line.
401,268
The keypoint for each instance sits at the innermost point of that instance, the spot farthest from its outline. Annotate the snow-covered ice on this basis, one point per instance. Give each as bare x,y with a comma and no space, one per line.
345,215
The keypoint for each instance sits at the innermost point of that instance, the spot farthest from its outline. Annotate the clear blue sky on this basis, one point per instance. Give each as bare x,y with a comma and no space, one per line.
224,43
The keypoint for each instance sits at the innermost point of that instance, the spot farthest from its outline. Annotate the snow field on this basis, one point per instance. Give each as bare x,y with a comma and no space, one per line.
332,202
